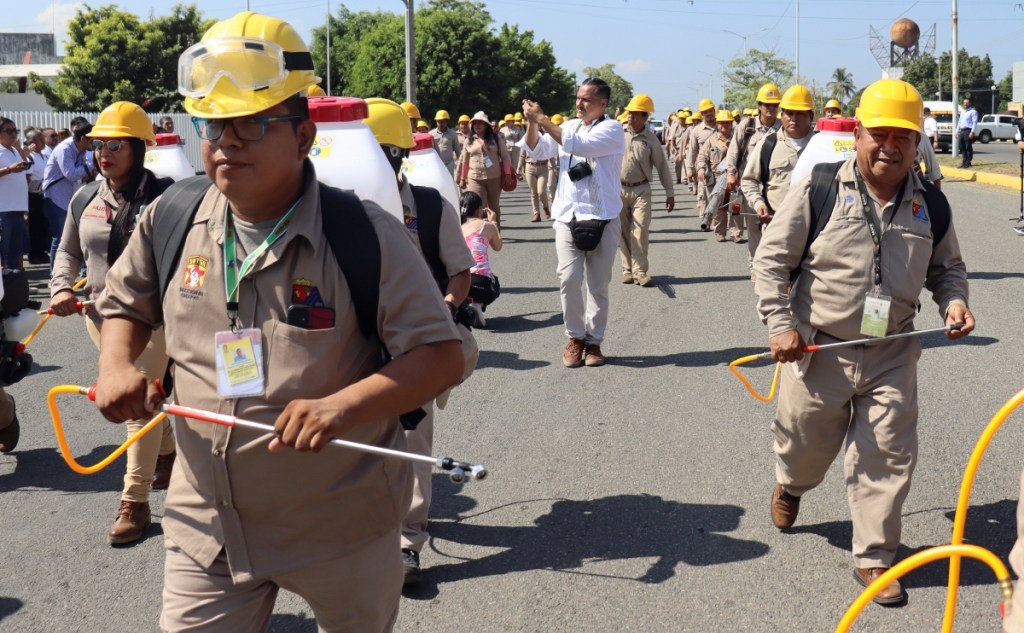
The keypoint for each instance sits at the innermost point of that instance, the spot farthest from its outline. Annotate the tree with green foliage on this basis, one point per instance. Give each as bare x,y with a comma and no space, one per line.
112,55
745,75
622,90
462,64
841,88
976,78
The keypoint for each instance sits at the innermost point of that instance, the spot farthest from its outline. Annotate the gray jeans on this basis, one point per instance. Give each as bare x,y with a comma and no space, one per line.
585,317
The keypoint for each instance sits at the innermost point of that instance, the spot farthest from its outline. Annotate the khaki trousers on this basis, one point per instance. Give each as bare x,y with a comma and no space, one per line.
142,455
537,179
420,441
866,398
754,230
358,593
723,218
552,181
585,317
635,232
489,189
1014,620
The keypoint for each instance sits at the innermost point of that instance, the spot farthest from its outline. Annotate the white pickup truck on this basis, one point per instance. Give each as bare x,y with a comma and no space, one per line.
993,127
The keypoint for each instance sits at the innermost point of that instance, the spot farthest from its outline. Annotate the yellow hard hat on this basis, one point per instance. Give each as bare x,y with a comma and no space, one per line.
411,110
735,113
891,103
244,65
681,113
124,119
315,91
833,104
640,103
518,116
723,116
769,93
705,105
797,98
389,122
509,118
422,124
693,118
557,119
464,118
442,115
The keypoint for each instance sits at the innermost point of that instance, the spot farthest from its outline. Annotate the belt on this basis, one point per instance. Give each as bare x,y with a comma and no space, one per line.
536,162
634,184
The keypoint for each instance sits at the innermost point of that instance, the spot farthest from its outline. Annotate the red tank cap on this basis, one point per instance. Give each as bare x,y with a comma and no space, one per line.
167,139
337,109
837,124
423,141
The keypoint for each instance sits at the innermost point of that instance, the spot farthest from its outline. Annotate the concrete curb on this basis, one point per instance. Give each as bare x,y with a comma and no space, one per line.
1002,180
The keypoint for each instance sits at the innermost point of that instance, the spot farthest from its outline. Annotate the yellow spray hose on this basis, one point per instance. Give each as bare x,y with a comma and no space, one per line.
932,554
960,518
43,321
746,383
65,450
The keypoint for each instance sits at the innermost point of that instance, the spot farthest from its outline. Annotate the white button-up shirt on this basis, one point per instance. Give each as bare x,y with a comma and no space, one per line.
968,120
602,144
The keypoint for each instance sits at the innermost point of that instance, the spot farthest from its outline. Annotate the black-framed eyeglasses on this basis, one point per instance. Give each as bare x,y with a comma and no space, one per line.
9,130
113,145
246,128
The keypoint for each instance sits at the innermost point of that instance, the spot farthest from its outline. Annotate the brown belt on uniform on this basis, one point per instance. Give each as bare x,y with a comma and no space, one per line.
634,184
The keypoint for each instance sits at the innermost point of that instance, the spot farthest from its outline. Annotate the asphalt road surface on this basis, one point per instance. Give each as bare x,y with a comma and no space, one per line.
632,497
996,151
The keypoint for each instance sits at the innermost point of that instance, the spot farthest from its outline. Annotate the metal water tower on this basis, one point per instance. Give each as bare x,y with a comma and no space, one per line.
904,45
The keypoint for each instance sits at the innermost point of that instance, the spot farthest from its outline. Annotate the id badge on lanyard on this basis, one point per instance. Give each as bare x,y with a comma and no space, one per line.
875,318
875,321
239,357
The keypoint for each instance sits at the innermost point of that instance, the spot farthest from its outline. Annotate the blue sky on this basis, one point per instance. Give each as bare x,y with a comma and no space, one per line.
672,50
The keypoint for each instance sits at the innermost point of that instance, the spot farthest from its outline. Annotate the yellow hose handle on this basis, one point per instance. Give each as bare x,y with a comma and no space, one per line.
919,559
65,450
746,383
45,319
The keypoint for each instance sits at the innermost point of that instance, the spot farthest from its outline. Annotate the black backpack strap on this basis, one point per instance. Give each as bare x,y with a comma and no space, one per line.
353,240
82,199
171,223
765,161
823,192
939,213
428,218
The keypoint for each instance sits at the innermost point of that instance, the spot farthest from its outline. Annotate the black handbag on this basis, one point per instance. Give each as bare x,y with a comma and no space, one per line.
586,234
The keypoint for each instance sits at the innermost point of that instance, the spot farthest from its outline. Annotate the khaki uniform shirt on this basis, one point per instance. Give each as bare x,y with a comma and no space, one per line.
839,269
710,156
699,134
447,145
473,154
643,154
682,133
455,255
780,170
272,513
733,164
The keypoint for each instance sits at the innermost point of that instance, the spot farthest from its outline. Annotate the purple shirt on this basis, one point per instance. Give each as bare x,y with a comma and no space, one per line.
64,169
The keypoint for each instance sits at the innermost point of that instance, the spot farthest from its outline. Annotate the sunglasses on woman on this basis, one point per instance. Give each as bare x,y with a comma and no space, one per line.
112,145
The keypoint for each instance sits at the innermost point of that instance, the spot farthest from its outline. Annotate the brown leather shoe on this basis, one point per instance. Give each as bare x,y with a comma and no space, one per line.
573,354
785,507
593,355
891,594
132,519
9,435
643,280
536,218
162,474
627,278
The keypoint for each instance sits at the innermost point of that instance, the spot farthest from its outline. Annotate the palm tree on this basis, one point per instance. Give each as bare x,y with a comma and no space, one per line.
841,87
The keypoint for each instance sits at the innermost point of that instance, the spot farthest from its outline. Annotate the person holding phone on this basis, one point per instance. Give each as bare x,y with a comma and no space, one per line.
14,161
486,163
481,233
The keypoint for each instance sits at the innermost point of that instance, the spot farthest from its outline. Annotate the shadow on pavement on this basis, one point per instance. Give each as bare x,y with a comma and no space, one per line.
507,360
680,281
576,533
987,276
289,623
526,291
45,468
940,340
685,359
992,526
519,323
678,241
9,606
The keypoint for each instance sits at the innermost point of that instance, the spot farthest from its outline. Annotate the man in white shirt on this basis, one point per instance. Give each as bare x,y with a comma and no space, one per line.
931,128
13,196
585,211
38,231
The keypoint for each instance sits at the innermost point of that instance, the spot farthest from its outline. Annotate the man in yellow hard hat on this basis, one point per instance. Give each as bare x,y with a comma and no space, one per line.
463,137
747,137
510,133
446,141
833,109
248,512
700,134
710,169
674,143
413,113
643,155
878,235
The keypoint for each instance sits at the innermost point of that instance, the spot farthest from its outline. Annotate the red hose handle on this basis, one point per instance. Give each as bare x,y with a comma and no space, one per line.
163,394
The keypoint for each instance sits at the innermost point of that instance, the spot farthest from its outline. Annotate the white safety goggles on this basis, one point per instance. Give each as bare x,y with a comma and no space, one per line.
248,63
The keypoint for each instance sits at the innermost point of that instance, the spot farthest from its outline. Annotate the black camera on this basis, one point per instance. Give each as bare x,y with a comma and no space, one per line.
579,171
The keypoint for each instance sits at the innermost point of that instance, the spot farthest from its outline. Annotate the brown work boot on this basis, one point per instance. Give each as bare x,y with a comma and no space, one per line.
132,519
785,507
9,435
627,278
162,474
891,594
593,355
573,354
643,280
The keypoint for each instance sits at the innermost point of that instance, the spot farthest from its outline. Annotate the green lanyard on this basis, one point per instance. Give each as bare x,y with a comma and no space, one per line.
234,274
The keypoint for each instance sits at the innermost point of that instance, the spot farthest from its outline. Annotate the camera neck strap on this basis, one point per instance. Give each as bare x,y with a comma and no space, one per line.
590,127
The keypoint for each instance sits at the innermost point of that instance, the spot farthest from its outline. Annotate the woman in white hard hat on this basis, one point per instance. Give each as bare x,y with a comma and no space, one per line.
100,219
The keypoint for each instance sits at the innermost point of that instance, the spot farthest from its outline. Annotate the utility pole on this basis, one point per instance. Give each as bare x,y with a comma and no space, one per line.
955,78
798,41
328,48
410,60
